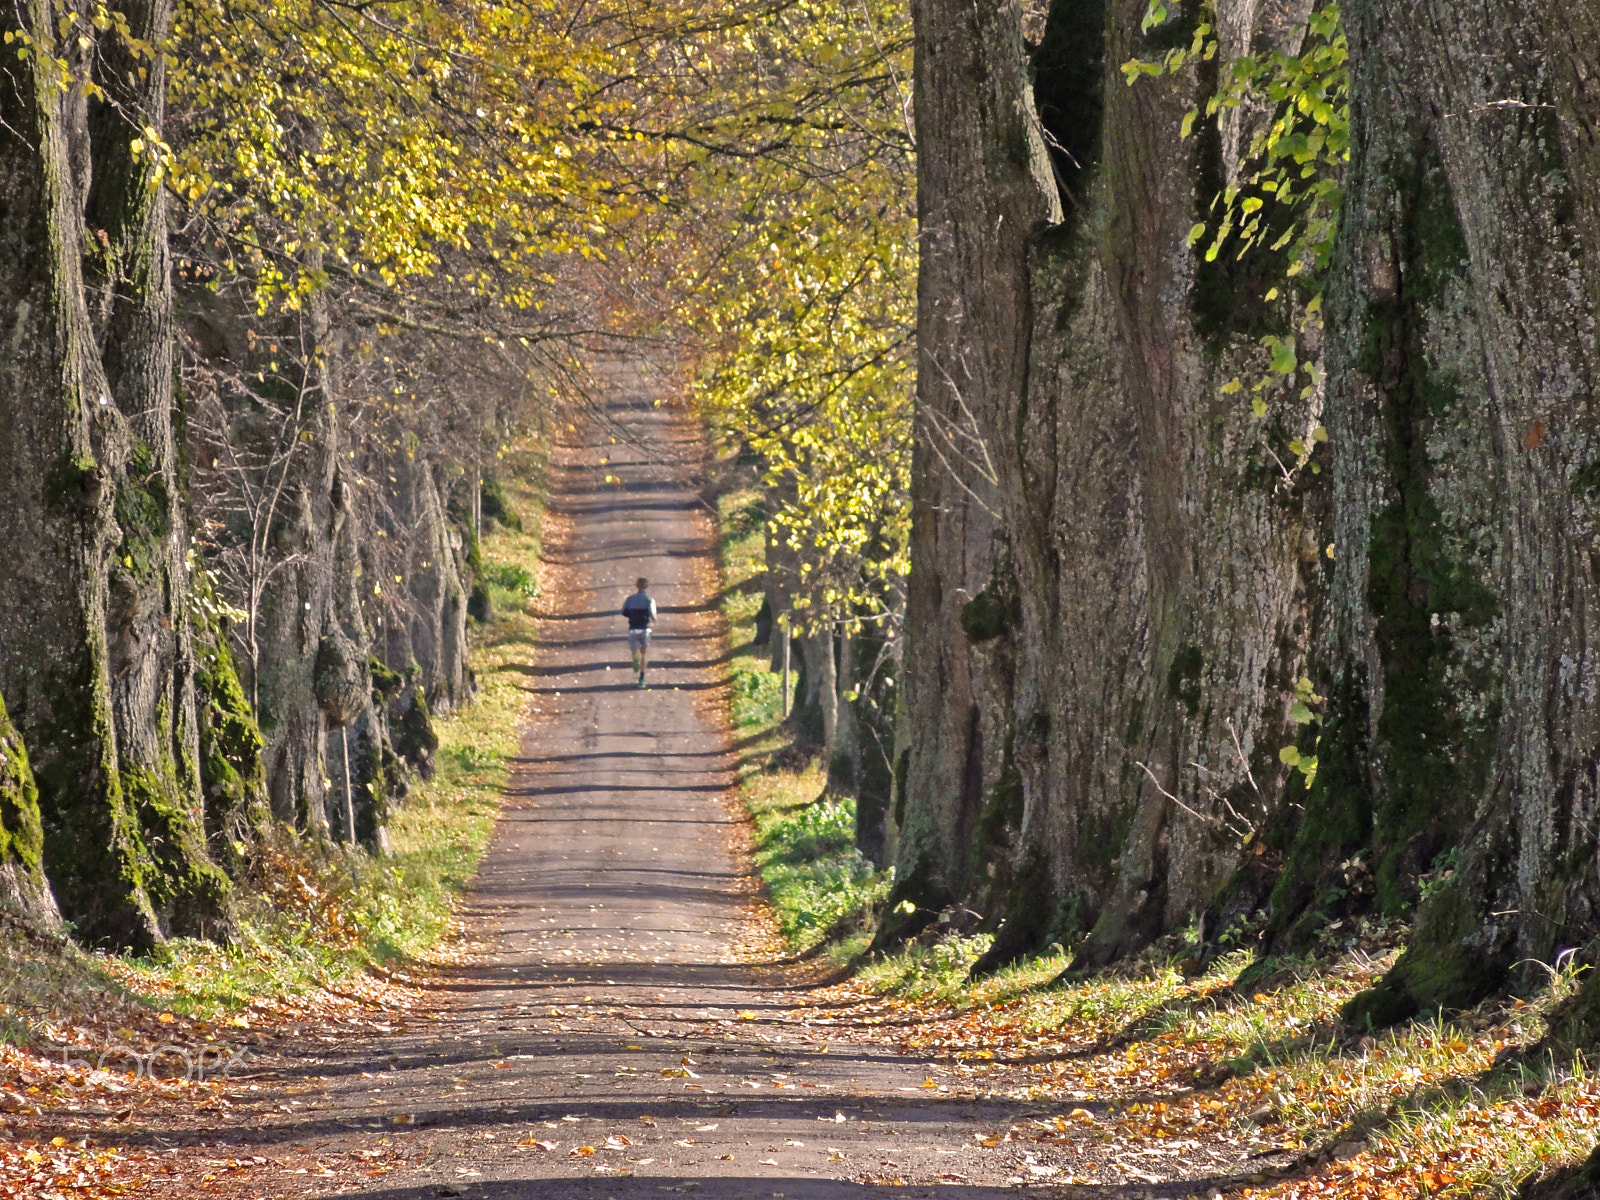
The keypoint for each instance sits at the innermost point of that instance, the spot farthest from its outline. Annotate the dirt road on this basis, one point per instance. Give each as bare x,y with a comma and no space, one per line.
606,1039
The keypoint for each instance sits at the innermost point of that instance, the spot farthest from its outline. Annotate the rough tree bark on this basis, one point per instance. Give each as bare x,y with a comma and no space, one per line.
1462,409
433,636
983,188
97,646
1157,583
1120,663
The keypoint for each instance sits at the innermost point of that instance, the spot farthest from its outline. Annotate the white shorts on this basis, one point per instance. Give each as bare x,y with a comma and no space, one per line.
638,640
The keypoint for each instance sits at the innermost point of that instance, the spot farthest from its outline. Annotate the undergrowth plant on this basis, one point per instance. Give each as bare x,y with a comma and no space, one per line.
822,889
1290,187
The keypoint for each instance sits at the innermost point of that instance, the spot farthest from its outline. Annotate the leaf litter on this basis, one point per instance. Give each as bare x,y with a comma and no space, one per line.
1145,1076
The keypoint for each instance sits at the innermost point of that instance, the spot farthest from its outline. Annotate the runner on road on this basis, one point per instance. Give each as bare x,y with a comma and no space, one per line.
641,613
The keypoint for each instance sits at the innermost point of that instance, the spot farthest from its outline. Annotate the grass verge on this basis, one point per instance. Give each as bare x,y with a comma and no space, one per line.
823,891
1306,1106
325,915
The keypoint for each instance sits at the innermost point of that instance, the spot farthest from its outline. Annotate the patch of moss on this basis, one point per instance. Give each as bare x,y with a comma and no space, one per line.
21,835
415,740
179,877
1443,968
232,770
989,614
902,773
1575,1023
93,846
1435,245
142,510
1435,763
386,684
1585,482
1407,797
369,778
494,505
1183,678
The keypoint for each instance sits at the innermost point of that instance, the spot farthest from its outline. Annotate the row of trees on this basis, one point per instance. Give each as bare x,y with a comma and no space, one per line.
234,585
1170,423
281,278
1266,603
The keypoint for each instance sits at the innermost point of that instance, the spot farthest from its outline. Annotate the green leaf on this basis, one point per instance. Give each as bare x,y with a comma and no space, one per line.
1300,714
1289,755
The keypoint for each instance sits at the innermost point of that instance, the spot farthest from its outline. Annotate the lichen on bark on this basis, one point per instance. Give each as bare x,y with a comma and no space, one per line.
24,891
95,647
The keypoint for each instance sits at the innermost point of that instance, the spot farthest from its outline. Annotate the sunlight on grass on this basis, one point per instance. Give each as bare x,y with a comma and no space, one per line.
822,889
1436,1108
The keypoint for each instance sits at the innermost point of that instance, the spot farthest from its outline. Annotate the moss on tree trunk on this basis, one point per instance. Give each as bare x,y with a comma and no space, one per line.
24,891
96,645
1462,370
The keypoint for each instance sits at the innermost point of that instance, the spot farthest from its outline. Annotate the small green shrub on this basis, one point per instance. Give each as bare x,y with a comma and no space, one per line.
511,577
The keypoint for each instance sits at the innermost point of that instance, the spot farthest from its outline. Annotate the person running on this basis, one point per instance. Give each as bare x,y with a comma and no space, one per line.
641,613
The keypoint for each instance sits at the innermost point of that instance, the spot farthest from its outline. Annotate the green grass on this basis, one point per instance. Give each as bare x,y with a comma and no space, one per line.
1268,1066
322,913
755,690
1440,1107
820,886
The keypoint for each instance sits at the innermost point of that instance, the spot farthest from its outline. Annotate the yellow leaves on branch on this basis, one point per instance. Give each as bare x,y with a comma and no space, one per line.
742,175
374,139
802,275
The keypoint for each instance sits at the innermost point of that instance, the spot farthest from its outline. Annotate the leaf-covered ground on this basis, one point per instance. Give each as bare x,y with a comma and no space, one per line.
1142,1077
1163,1074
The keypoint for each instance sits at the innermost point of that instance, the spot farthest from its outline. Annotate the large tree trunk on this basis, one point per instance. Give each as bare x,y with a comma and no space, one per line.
1162,555
1162,581
97,654
1462,409
1094,679
983,189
